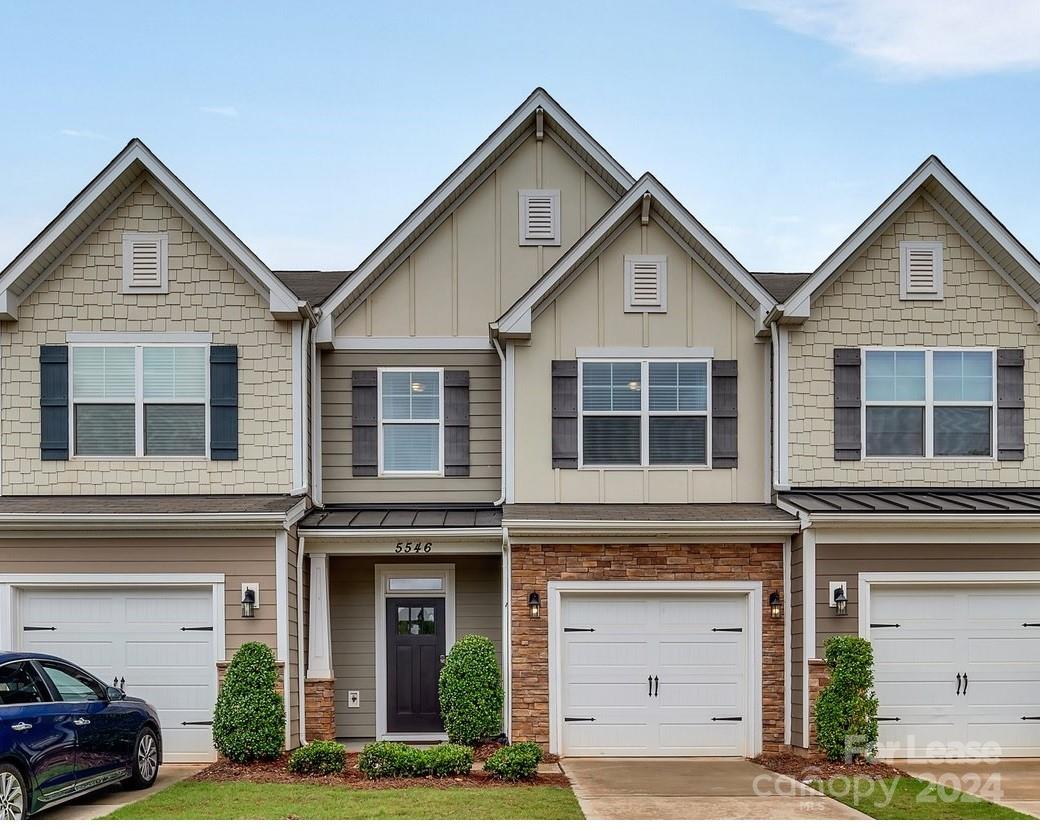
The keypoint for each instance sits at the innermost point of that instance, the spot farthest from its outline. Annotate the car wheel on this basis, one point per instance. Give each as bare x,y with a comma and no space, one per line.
145,761
14,795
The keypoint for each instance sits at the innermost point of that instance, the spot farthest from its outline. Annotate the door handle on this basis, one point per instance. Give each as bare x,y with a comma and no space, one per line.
657,680
965,683
81,722
650,686
21,726
958,682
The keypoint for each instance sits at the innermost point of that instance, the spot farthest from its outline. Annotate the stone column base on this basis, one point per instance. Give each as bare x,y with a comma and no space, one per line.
320,709
819,676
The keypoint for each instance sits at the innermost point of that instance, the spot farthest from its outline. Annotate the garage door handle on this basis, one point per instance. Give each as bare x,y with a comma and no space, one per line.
650,686
958,682
965,683
657,682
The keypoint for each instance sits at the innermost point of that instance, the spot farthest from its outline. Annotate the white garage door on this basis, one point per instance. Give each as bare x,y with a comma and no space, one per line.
653,675
957,669
159,639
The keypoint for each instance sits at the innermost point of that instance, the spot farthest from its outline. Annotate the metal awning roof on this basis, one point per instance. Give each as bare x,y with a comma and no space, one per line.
914,501
404,517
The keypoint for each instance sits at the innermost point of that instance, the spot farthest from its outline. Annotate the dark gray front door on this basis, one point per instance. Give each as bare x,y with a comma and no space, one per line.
414,649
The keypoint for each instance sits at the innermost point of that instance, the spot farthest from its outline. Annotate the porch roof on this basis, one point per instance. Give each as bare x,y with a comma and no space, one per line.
403,516
143,505
645,512
898,501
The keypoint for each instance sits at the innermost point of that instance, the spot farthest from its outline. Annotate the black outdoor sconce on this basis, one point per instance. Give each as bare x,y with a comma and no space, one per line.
534,604
248,603
775,605
841,602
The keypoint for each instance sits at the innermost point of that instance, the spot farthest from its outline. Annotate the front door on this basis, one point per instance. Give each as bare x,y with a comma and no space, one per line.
414,656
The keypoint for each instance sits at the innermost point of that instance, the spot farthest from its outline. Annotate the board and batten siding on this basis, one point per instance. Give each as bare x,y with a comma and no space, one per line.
352,601
483,484
589,313
239,559
844,562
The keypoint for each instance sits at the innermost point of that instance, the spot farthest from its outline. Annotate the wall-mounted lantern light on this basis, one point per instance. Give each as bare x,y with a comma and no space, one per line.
248,603
534,604
841,602
775,605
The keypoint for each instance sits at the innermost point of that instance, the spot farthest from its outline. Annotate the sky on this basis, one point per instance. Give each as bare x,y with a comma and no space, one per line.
313,129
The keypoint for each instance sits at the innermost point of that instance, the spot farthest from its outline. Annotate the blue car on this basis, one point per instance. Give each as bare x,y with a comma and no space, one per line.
64,733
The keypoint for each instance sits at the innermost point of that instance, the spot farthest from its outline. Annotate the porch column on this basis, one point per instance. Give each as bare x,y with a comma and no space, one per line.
319,656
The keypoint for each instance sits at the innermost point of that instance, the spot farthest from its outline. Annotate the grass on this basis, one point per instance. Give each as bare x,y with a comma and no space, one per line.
911,798
238,800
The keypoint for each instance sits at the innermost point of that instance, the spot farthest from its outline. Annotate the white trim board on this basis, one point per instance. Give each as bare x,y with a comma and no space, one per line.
753,591
407,344
185,338
382,573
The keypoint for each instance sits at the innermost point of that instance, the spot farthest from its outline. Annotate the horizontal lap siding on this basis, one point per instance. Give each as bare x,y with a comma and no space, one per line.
483,484
239,559
294,641
478,610
797,643
846,562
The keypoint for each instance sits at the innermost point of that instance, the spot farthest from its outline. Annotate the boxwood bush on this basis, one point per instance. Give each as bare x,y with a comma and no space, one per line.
515,762
249,718
445,760
846,710
470,690
318,758
388,759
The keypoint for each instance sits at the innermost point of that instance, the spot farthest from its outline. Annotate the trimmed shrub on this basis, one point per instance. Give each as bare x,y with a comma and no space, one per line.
446,760
318,758
249,718
388,759
846,711
515,762
470,690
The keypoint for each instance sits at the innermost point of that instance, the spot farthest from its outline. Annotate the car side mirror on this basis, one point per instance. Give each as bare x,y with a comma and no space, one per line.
112,693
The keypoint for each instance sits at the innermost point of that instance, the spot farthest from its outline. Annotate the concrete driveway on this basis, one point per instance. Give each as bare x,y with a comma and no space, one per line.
693,788
1014,782
105,801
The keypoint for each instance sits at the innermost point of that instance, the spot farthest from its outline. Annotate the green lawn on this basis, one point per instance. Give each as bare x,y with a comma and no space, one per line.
210,800
911,798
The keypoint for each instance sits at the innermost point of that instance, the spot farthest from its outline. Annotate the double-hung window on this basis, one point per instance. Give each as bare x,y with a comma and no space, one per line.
137,400
926,403
411,422
644,413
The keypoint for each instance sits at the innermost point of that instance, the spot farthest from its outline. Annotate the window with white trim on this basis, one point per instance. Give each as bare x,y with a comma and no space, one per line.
145,267
644,413
138,400
411,422
926,403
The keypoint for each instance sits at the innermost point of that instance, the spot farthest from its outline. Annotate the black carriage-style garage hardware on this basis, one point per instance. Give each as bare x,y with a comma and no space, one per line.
734,630
574,720
196,723
887,719
578,629
717,719
196,628
1030,717
38,628
885,625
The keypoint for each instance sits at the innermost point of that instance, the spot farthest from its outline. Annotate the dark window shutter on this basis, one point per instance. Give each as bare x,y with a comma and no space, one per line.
456,423
364,423
1011,440
848,441
54,403
723,414
223,403
565,414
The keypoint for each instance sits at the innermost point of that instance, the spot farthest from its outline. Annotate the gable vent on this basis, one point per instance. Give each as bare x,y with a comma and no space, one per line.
144,263
539,217
646,283
920,270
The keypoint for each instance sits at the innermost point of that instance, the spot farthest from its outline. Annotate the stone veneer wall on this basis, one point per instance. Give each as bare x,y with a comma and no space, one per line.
320,709
819,676
534,565
205,294
862,308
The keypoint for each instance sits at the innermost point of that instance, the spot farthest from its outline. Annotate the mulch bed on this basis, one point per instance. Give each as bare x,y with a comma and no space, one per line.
277,772
816,767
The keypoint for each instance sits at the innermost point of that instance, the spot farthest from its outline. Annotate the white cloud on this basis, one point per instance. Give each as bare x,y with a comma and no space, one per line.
84,134
226,111
920,38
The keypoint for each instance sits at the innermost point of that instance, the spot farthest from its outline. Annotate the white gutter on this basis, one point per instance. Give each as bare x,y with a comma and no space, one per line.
396,532
932,520
300,651
34,520
580,527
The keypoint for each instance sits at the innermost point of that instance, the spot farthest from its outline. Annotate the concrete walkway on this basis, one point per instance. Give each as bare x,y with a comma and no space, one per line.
110,799
1013,782
693,788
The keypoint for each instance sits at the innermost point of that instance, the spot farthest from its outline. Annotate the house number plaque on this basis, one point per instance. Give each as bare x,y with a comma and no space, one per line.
414,547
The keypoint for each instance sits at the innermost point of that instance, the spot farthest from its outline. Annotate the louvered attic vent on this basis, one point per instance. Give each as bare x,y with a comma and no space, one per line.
646,281
144,263
920,271
539,217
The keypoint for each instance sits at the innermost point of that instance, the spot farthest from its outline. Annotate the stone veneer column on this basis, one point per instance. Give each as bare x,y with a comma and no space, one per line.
320,709
320,686
819,676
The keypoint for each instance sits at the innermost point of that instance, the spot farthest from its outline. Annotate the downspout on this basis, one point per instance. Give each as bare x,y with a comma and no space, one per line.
300,650
501,415
774,327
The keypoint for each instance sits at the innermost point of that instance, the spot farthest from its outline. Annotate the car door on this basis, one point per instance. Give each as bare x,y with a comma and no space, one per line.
38,729
102,746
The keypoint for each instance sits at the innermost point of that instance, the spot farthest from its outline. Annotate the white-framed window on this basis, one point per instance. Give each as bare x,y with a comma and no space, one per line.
929,403
411,422
539,217
644,413
139,400
145,263
646,283
920,270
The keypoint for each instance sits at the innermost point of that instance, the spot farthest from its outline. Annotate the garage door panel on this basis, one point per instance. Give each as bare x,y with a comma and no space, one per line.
699,614
719,738
585,696
897,694
156,610
622,615
715,694
151,653
1011,649
1001,692
615,653
916,649
930,607
52,608
607,738
999,605
701,654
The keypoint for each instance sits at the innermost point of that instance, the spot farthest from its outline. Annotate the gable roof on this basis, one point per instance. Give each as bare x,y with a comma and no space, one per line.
676,220
781,284
92,205
497,146
312,286
960,208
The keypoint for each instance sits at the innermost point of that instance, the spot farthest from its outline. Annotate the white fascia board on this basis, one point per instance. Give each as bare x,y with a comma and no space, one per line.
579,527
418,344
435,201
40,521
922,520
400,532
180,337
652,352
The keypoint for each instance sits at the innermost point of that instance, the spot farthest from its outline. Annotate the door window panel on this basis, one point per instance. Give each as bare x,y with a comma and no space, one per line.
20,685
416,620
72,684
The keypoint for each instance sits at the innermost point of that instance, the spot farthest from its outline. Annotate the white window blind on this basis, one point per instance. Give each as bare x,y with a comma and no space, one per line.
410,422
